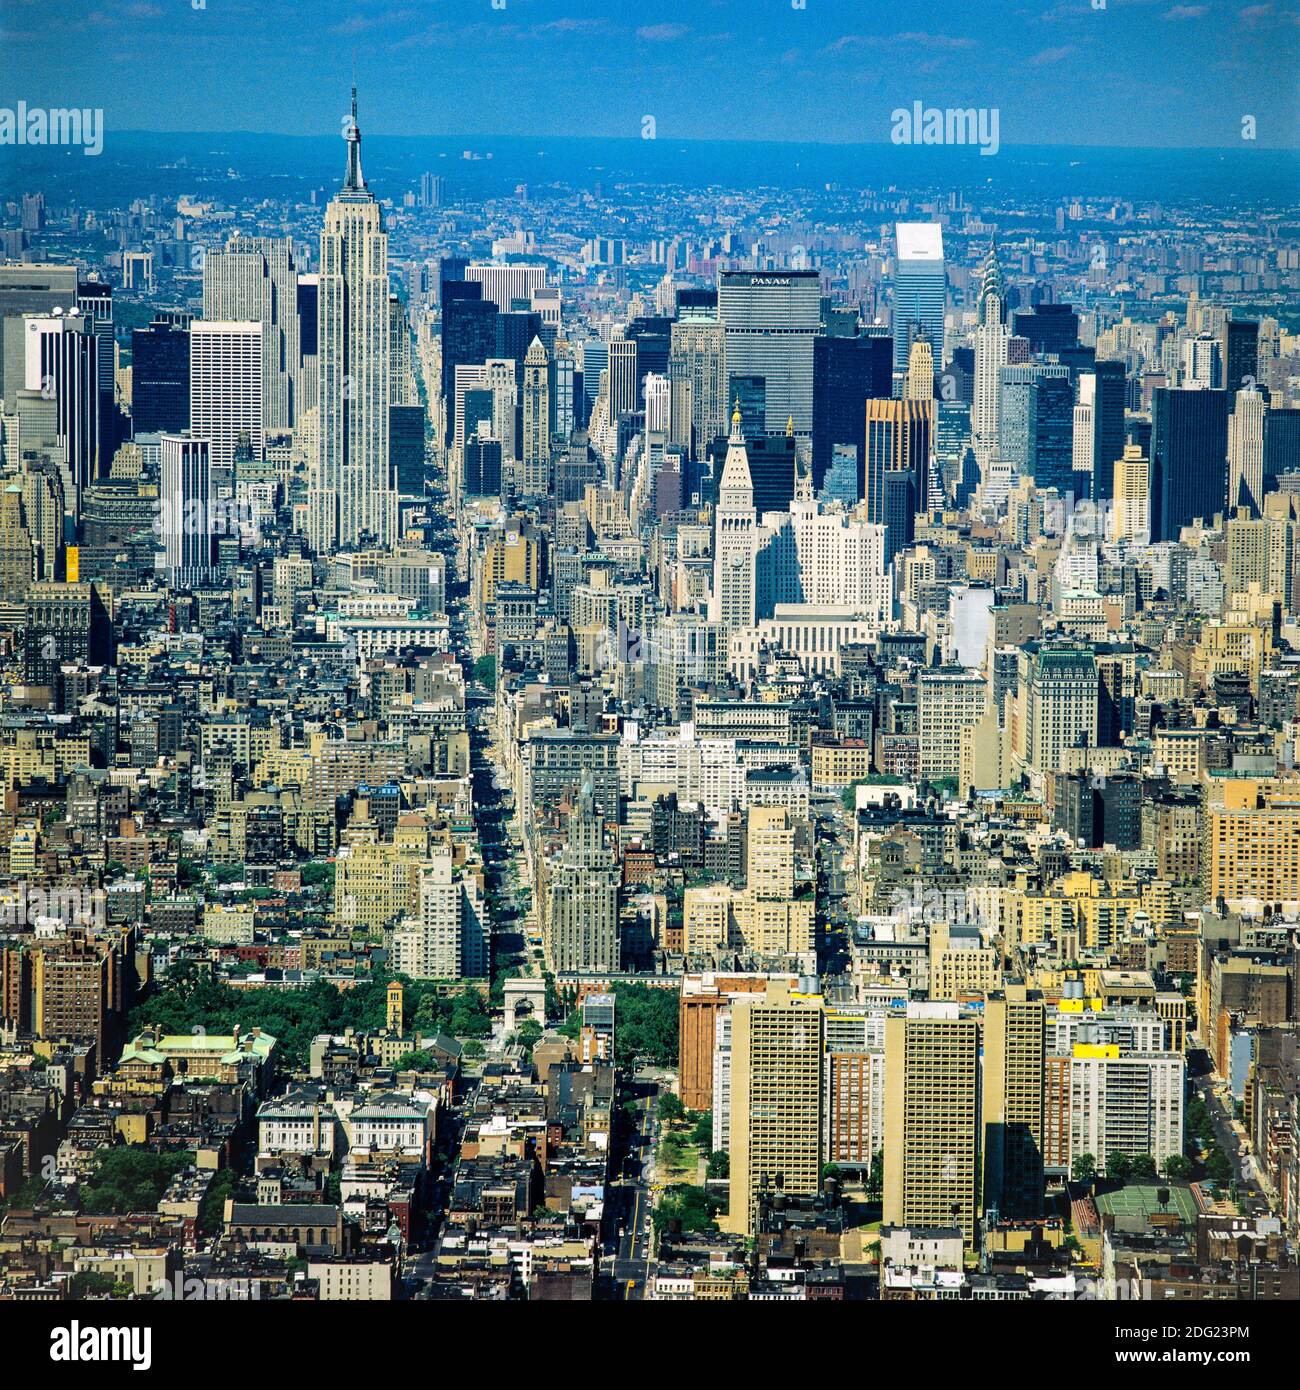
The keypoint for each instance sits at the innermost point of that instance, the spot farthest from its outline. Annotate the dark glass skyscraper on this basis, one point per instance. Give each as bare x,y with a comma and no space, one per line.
515,332
750,394
160,379
846,372
1108,425
482,475
1052,457
1189,458
95,299
960,374
1078,358
479,407
1050,328
653,339
902,500
514,336
406,445
695,302
308,295
1240,356
469,334
1281,445
771,468
451,268
1036,423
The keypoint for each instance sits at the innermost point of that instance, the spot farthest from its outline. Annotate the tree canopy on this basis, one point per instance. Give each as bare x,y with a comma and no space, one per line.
294,1017
645,1024
695,1207
127,1179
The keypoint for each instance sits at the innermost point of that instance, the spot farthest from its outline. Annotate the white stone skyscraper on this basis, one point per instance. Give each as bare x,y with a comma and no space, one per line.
61,362
354,497
537,432
992,343
580,931
697,371
429,945
812,554
622,376
226,395
735,545
657,402
401,378
1083,438
185,510
1246,452
255,279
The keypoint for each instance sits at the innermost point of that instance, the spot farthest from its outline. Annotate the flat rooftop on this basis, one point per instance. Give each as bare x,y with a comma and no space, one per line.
1139,1199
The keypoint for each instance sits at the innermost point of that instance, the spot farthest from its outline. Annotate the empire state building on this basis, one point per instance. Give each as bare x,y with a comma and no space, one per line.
354,500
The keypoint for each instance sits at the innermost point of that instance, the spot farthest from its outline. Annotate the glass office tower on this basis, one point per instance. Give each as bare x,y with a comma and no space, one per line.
920,285
771,319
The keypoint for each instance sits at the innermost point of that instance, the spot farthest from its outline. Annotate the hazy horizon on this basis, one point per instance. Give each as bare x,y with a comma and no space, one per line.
374,135
1058,71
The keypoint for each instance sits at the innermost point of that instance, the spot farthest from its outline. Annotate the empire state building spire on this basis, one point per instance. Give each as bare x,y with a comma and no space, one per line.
355,181
352,500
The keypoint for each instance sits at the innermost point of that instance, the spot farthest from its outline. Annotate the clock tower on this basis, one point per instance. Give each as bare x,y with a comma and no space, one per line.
735,543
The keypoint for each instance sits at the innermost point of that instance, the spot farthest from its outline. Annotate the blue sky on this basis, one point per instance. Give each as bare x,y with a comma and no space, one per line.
1135,72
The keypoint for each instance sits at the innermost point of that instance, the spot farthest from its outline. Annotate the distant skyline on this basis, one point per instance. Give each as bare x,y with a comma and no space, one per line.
1136,73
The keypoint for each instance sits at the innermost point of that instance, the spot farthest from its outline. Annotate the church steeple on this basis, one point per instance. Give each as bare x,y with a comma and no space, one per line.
355,181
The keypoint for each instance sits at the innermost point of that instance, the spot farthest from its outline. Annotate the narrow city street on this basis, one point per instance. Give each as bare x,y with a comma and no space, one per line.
632,1196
